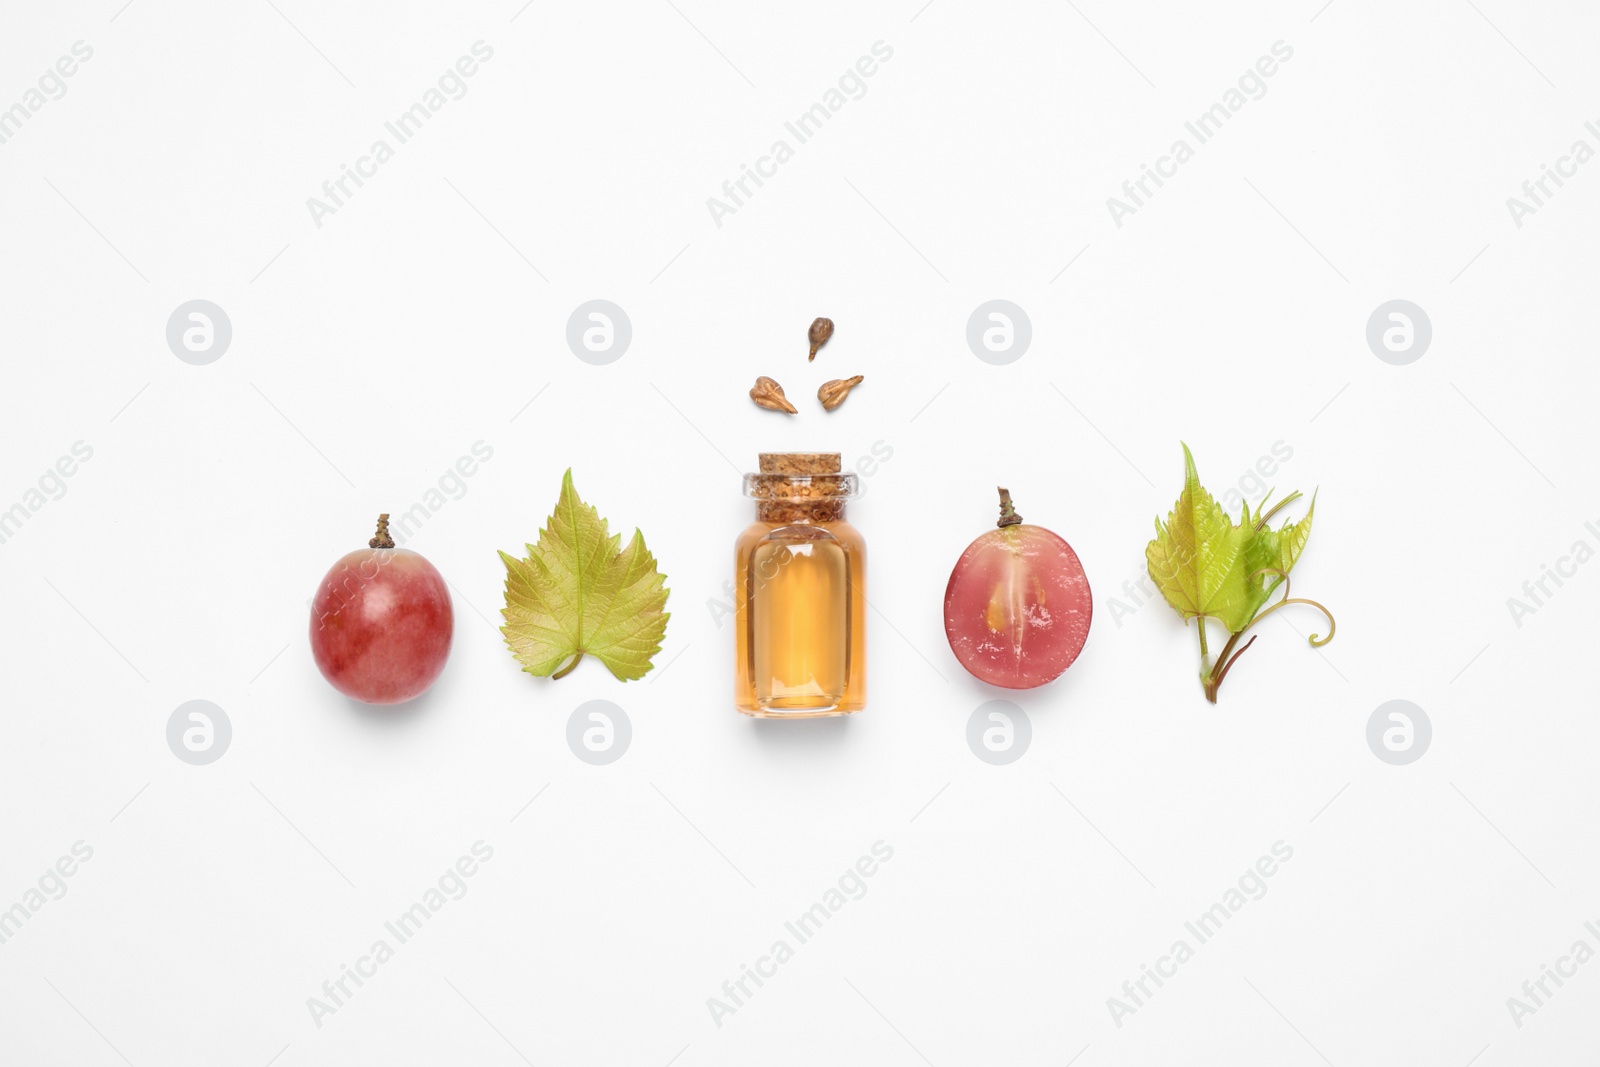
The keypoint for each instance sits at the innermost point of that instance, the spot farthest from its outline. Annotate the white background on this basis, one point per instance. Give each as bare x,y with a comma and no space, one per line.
371,352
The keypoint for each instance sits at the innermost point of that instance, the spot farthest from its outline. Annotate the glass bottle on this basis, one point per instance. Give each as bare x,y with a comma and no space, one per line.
800,592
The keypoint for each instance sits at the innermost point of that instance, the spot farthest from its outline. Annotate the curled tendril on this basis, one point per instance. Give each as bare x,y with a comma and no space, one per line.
1317,640
1283,579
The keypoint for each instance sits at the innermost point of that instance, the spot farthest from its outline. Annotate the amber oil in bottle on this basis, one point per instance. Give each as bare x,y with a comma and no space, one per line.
799,592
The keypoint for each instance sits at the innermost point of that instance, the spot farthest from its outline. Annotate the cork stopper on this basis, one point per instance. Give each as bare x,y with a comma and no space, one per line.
800,463
800,487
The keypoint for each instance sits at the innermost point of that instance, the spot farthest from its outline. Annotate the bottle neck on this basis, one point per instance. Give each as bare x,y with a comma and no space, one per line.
800,487
817,510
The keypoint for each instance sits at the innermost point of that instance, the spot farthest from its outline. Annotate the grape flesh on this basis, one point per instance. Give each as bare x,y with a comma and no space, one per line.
381,625
1018,606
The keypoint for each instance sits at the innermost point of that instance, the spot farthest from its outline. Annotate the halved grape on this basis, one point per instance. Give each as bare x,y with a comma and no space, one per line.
1018,605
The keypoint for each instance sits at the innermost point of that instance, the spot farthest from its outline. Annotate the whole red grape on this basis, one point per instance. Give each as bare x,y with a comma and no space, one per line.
381,623
1018,606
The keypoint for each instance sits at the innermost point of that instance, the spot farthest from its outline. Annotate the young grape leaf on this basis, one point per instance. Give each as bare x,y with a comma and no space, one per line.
1209,568
1200,560
1271,551
577,595
1292,538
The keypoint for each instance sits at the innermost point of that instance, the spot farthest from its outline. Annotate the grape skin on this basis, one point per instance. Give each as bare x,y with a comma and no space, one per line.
381,625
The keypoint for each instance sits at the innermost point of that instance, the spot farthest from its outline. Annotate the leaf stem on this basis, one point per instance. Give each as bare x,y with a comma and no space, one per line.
568,669
1228,666
1212,680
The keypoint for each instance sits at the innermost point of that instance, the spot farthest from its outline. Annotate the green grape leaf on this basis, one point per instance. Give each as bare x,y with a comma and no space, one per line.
1264,551
1200,560
575,594
1271,551
1208,567
1292,538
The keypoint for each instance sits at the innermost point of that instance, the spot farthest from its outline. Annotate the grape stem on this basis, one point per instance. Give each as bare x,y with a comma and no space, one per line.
1008,514
382,539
